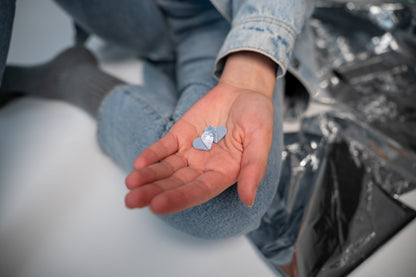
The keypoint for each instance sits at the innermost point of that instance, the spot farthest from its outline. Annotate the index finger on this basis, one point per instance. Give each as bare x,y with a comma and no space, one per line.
159,150
198,191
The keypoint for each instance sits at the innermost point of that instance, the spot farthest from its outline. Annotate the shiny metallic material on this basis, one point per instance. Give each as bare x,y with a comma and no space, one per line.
366,61
337,198
207,139
342,174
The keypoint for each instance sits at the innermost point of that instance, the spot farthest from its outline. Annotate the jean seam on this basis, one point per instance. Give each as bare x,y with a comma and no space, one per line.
148,104
271,20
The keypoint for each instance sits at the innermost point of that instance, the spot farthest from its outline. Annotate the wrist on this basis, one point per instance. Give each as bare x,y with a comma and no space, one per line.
250,71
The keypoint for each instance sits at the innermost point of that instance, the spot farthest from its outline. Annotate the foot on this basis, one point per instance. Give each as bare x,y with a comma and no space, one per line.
73,76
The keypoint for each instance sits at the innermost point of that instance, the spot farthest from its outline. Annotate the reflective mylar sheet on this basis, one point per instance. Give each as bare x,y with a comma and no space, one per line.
366,55
337,198
342,173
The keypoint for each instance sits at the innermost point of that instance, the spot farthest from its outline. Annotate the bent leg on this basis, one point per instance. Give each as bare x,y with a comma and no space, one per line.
136,25
133,125
131,117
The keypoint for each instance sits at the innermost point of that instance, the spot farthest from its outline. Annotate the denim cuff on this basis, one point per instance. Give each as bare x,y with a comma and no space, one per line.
268,36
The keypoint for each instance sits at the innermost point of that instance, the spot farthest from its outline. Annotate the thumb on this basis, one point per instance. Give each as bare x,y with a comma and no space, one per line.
253,168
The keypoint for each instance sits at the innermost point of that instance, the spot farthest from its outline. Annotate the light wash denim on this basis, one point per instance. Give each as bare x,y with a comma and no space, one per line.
269,27
191,38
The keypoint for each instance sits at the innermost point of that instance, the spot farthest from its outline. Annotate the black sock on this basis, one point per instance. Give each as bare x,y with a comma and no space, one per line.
72,76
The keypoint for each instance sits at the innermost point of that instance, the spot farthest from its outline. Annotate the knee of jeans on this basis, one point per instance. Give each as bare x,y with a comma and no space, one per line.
127,124
223,217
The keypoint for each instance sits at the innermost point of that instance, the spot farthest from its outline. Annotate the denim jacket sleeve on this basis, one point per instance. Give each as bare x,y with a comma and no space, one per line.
269,27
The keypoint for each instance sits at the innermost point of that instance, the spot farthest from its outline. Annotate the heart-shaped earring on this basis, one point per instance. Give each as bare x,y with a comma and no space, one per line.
221,131
207,138
210,135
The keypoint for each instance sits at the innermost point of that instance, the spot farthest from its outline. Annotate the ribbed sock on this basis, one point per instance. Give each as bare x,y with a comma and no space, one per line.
73,76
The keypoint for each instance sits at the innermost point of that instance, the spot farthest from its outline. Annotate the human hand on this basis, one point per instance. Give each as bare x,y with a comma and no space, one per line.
171,175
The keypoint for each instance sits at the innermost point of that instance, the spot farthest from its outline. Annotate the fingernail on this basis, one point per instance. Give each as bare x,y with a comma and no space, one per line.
253,200
251,204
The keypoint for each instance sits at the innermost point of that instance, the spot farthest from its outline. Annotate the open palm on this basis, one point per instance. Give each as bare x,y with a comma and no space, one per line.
171,175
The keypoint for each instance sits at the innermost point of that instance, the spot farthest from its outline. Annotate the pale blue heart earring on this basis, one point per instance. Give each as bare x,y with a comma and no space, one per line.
210,135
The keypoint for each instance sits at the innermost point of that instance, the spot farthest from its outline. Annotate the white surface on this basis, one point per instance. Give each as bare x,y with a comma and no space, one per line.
62,211
61,198
395,258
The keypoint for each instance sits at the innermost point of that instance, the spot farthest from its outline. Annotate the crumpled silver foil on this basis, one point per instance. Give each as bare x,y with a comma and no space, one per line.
337,198
303,158
343,172
366,55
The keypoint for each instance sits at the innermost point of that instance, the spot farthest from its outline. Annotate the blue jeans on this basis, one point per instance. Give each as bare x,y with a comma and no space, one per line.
185,36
